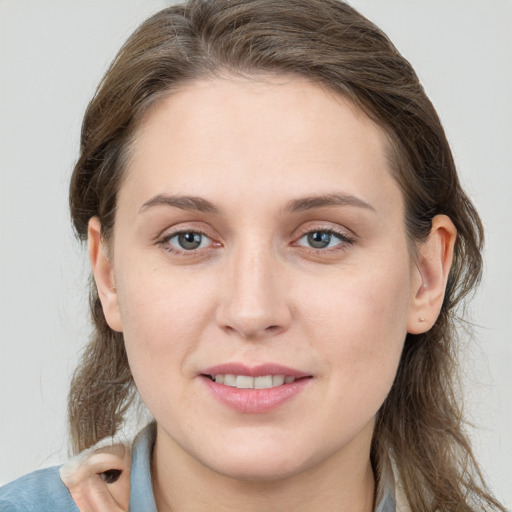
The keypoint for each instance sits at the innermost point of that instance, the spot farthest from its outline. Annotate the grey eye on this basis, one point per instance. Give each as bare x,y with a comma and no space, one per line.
189,240
320,239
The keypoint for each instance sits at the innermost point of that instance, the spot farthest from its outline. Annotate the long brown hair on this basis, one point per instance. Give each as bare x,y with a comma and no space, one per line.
420,425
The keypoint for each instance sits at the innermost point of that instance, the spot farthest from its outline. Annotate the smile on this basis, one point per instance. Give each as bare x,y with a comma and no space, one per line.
248,382
254,389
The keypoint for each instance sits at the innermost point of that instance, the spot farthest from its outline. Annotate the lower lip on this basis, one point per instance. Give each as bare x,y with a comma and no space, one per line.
255,401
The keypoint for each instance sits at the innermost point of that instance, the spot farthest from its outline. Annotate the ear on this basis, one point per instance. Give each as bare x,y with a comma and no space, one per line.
433,265
103,272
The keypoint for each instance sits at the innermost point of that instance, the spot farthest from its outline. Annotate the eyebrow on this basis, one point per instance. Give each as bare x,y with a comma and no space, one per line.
320,201
198,204
189,203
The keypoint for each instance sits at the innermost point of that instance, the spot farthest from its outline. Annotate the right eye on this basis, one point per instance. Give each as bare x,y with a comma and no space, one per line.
186,241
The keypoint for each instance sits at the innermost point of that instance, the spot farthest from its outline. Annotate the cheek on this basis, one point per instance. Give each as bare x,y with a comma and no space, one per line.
162,316
160,329
359,324
375,302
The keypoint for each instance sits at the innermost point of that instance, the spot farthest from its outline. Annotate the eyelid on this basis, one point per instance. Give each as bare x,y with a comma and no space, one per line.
311,227
183,227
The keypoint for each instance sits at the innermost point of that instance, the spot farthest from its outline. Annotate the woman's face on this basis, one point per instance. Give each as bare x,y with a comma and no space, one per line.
260,236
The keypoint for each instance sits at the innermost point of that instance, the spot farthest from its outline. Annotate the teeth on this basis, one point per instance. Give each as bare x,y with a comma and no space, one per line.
263,382
247,382
230,380
244,382
278,380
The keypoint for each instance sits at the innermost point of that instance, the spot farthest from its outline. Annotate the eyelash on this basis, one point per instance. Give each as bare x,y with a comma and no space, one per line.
344,241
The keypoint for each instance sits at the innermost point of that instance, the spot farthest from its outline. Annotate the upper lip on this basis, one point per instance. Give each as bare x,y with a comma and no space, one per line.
259,370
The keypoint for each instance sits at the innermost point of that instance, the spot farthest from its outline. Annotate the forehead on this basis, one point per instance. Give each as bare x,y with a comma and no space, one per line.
261,135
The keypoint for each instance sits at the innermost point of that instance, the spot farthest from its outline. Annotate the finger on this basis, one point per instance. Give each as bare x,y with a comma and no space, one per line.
92,495
99,479
101,498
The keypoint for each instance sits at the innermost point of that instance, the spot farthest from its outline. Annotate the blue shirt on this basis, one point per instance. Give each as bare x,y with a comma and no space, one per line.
43,490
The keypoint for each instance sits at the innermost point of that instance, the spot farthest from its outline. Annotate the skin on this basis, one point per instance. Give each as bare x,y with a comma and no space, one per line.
256,291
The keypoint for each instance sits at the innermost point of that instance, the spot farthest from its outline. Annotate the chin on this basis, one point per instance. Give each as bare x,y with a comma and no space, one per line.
260,471
262,463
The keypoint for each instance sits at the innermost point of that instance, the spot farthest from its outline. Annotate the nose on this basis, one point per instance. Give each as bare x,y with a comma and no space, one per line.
254,302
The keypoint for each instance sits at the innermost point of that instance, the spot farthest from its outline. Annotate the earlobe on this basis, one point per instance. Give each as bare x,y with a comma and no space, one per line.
435,257
103,272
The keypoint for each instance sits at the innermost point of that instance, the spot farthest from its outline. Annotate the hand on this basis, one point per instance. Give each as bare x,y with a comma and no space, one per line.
99,478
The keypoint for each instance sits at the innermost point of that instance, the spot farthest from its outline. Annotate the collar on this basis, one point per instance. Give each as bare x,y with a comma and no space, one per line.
141,487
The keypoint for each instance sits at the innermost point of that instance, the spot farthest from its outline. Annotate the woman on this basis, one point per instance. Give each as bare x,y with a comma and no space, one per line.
278,239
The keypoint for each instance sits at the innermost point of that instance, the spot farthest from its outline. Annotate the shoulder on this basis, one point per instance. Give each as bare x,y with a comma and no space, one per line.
40,491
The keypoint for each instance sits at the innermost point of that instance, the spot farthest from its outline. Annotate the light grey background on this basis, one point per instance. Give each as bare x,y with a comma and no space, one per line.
52,55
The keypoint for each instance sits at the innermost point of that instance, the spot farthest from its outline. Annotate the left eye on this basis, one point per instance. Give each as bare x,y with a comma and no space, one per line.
189,240
320,239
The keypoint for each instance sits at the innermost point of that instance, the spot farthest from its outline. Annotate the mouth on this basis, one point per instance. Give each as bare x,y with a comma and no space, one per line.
254,389
249,382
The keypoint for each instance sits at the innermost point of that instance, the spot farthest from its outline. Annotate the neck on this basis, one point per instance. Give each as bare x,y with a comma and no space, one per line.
343,482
